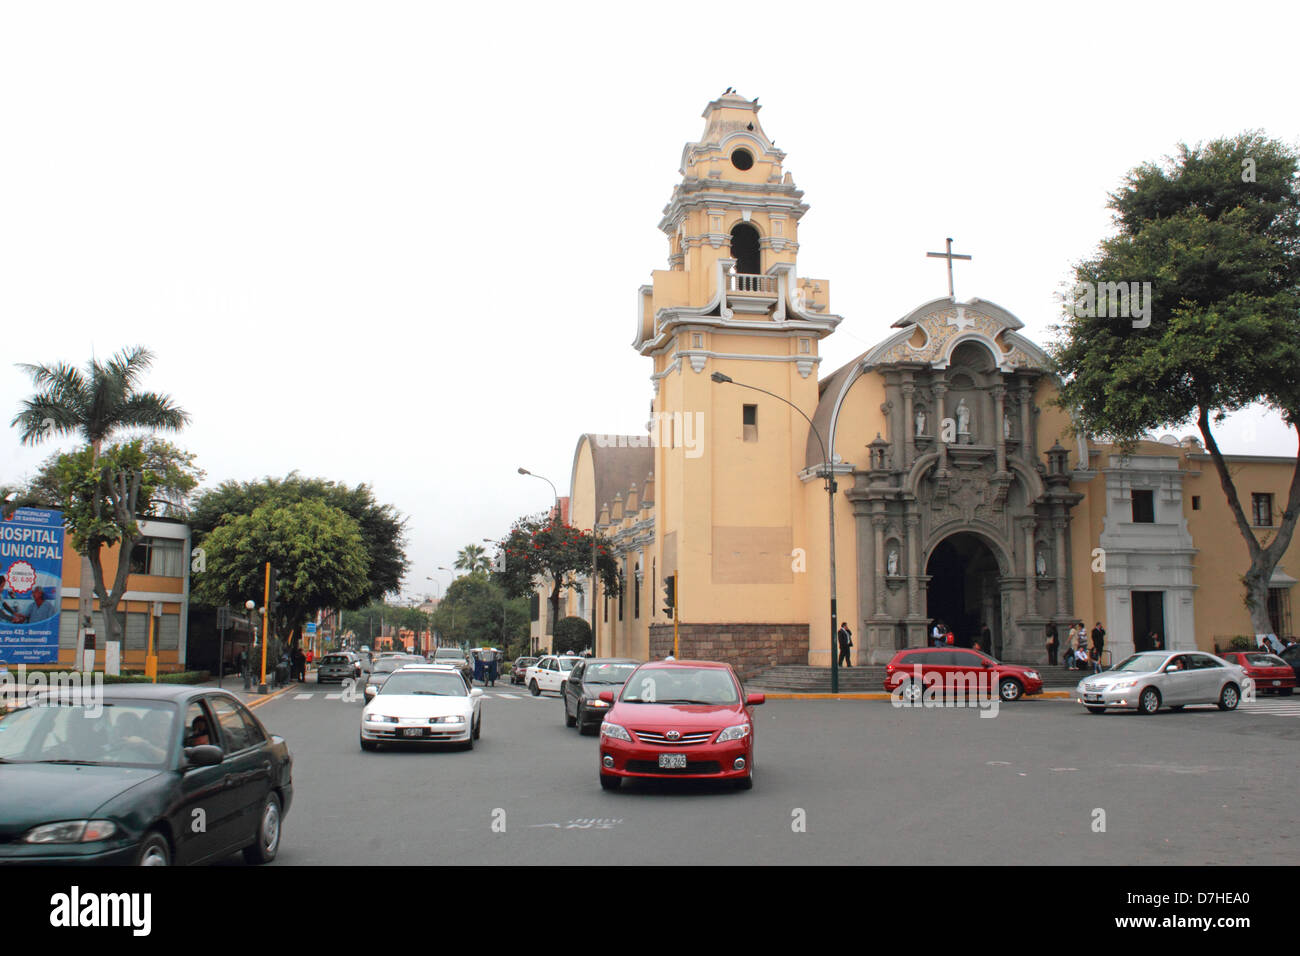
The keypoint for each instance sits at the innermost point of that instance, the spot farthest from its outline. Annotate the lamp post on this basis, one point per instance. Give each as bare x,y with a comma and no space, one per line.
556,517
453,606
829,475
248,657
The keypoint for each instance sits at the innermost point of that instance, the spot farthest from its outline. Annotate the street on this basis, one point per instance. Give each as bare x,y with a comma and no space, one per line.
836,782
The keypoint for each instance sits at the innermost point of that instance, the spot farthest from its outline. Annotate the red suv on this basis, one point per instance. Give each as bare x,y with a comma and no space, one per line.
951,669
679,719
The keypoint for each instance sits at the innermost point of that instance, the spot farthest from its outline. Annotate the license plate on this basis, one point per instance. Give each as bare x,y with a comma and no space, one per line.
412,731
1277,683
1096,697
672,761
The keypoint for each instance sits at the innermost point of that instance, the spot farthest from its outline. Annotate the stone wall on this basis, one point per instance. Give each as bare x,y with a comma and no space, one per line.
749,648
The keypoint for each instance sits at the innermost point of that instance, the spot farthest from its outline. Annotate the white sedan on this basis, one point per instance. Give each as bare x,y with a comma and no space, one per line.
423,703
549,673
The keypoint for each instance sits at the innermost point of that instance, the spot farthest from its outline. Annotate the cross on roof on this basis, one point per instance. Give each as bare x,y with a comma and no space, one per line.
949,255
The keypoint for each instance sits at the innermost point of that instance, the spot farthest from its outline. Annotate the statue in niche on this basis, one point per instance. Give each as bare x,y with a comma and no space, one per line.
920,422
1006,426
892,563
963,418
1041,565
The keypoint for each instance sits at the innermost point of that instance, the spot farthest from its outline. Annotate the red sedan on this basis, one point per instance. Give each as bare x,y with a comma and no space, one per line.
688,719
1271,674
952,670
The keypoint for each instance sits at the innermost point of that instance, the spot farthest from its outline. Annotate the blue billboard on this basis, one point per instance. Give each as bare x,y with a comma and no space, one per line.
31,586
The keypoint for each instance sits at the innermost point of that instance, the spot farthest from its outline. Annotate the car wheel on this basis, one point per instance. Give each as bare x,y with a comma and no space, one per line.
1229,697
534,689
154,850
1009,689
478,728
1096,710
608,782
568,721
912,691
1149,702
581,719
369,744
267,842
469,744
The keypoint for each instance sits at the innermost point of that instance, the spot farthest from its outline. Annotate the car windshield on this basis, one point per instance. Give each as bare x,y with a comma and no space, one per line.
607,673
449,654
1265,660
336,659
1142,663
388,666
525,662
130,733
680,685
425,683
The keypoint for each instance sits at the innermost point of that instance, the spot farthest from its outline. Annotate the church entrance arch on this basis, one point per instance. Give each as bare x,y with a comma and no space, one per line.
964,589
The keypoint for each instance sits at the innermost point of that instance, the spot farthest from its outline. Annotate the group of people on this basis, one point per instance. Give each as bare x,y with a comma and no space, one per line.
1079,654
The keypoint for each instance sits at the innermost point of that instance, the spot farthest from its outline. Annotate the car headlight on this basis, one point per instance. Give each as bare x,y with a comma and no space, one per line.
380,719
71,831
1032,675
450,719
614,730
1123,684
738,732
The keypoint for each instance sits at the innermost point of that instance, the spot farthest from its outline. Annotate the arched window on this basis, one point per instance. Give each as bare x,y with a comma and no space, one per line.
744,249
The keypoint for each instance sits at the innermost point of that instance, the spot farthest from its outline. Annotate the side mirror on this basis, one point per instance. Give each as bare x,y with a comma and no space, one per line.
476,692
986,663
753,699
205,755
607,696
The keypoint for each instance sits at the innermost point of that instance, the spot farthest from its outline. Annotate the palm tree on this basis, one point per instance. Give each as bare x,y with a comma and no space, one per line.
471,558
95,403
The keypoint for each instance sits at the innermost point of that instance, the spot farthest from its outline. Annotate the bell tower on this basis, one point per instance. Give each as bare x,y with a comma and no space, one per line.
729,456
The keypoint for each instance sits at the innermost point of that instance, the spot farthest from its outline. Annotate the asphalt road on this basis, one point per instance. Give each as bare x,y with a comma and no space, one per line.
869,782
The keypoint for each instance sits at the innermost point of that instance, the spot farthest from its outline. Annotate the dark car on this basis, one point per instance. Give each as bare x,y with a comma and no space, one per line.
382,668
338,666
1291,654
518,668
456,658
124,780
580,691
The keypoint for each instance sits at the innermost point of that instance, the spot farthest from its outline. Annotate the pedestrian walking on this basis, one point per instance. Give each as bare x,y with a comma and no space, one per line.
1052,643
846,642
1098,645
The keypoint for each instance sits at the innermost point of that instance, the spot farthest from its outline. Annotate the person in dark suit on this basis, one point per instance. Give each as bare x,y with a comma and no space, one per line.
1053,642
846,642
1098,645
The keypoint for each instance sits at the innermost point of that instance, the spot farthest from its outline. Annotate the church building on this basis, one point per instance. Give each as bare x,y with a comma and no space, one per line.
961,493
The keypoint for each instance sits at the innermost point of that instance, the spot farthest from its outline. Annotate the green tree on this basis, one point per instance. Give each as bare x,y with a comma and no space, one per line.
101,494
1216,231
317,551
471,558
382,528
370,621
477,612
95,404
174,472
541,552
572,634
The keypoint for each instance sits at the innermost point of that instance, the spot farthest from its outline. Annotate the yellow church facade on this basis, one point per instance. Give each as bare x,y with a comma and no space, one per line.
961,493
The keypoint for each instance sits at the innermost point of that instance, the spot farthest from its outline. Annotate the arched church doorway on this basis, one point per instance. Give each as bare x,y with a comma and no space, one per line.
744,249
964,590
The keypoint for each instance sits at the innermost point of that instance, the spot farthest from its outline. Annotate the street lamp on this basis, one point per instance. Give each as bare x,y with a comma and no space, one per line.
453,605
248,657
829,475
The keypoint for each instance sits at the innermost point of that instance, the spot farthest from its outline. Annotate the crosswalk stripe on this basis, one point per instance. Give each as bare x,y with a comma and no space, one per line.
507,696
302,696
333,696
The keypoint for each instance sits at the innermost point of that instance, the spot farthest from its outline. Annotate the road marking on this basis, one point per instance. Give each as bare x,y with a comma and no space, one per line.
333,696
508,696
1272,708
302,696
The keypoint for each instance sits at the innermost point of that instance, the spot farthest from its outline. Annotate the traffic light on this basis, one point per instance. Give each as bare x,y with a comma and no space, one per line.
272,601
670,593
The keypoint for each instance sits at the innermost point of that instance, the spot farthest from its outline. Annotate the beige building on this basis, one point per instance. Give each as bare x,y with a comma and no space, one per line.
960,496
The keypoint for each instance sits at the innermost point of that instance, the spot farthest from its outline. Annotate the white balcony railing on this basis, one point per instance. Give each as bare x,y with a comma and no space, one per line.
759,285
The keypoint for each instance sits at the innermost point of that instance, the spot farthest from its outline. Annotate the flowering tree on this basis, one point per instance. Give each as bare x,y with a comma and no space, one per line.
541,551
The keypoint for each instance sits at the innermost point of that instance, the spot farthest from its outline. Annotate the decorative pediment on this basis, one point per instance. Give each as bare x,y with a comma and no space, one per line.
930,333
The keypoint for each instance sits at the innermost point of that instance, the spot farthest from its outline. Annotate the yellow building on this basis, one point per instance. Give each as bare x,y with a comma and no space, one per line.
961,494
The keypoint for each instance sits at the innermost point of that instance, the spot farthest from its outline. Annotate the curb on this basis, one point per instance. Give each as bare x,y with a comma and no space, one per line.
1045,695
254,704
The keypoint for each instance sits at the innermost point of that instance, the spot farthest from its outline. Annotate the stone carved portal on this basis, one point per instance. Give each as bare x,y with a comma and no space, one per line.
970,513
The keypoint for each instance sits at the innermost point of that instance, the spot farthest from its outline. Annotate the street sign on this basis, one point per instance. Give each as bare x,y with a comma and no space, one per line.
311,629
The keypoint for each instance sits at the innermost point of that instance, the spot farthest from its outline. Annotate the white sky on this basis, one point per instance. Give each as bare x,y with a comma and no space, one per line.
400,243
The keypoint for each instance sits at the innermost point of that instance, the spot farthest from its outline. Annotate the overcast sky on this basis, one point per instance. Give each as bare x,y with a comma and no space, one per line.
400,243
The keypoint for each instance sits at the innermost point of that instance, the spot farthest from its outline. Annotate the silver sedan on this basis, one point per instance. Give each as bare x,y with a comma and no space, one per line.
1150,680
